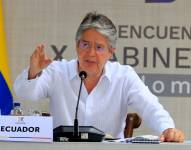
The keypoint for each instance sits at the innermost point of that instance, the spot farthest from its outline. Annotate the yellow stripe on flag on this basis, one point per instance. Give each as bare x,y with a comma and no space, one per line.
4,67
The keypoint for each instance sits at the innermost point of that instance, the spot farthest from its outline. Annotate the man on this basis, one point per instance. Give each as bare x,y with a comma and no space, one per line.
107,92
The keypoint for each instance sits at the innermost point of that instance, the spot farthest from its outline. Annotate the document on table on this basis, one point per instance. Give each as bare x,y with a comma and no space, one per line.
147,139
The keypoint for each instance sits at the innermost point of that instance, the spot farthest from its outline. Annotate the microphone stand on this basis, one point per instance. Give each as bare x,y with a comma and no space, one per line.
82,75
78,133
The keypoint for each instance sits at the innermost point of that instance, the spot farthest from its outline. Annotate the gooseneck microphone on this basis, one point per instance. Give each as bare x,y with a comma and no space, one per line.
82,76
77,133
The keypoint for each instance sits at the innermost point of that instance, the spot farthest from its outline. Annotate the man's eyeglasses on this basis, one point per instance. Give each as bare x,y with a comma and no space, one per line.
86,45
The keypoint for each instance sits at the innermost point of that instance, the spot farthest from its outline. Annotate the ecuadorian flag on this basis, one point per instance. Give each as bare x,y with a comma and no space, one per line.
6,99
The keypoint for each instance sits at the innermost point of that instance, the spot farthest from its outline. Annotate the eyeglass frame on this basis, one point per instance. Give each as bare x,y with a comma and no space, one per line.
95,47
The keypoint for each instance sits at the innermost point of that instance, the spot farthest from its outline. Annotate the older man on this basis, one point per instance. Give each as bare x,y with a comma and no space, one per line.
107,92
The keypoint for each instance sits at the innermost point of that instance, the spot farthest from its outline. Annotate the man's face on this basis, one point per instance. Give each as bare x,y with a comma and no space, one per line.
93,51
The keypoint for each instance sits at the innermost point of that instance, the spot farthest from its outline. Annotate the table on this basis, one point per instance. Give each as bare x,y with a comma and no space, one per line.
92,146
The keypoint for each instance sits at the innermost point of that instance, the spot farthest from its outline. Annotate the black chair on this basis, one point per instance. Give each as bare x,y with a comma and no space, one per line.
133,121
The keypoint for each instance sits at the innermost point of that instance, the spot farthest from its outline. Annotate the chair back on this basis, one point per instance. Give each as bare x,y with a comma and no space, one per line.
133,121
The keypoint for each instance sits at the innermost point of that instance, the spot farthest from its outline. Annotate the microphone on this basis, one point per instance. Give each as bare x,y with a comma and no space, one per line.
78,133
82,75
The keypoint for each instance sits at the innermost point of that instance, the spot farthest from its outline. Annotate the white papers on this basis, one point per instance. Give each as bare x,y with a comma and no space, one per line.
147,139
152,139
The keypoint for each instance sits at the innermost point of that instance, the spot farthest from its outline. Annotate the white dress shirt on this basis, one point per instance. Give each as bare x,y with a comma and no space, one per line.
105,107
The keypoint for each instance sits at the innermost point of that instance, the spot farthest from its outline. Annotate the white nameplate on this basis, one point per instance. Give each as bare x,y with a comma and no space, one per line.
26,128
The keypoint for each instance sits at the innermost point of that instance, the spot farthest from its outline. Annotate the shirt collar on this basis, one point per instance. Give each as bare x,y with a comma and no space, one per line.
73,70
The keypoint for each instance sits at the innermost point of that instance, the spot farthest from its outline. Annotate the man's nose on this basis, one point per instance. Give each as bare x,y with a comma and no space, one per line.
92,50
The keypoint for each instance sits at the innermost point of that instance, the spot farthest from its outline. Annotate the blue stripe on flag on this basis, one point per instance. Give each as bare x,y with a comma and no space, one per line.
6,99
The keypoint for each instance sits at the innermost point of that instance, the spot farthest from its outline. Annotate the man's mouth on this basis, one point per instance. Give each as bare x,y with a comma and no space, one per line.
91,61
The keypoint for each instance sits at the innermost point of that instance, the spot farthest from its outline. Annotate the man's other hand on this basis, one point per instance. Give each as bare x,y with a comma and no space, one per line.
172,135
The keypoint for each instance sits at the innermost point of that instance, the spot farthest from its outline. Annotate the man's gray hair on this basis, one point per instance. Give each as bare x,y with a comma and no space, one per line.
101,24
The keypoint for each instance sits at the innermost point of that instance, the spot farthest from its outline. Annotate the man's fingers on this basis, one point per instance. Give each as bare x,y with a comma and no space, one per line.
41,49
172,135
39,59
162,138
180,136
42,53
169,135
37,51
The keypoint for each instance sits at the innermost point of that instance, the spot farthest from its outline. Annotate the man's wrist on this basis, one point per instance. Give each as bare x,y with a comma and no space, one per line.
33,75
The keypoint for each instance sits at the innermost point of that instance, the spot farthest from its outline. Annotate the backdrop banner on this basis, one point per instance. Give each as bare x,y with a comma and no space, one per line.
154,36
